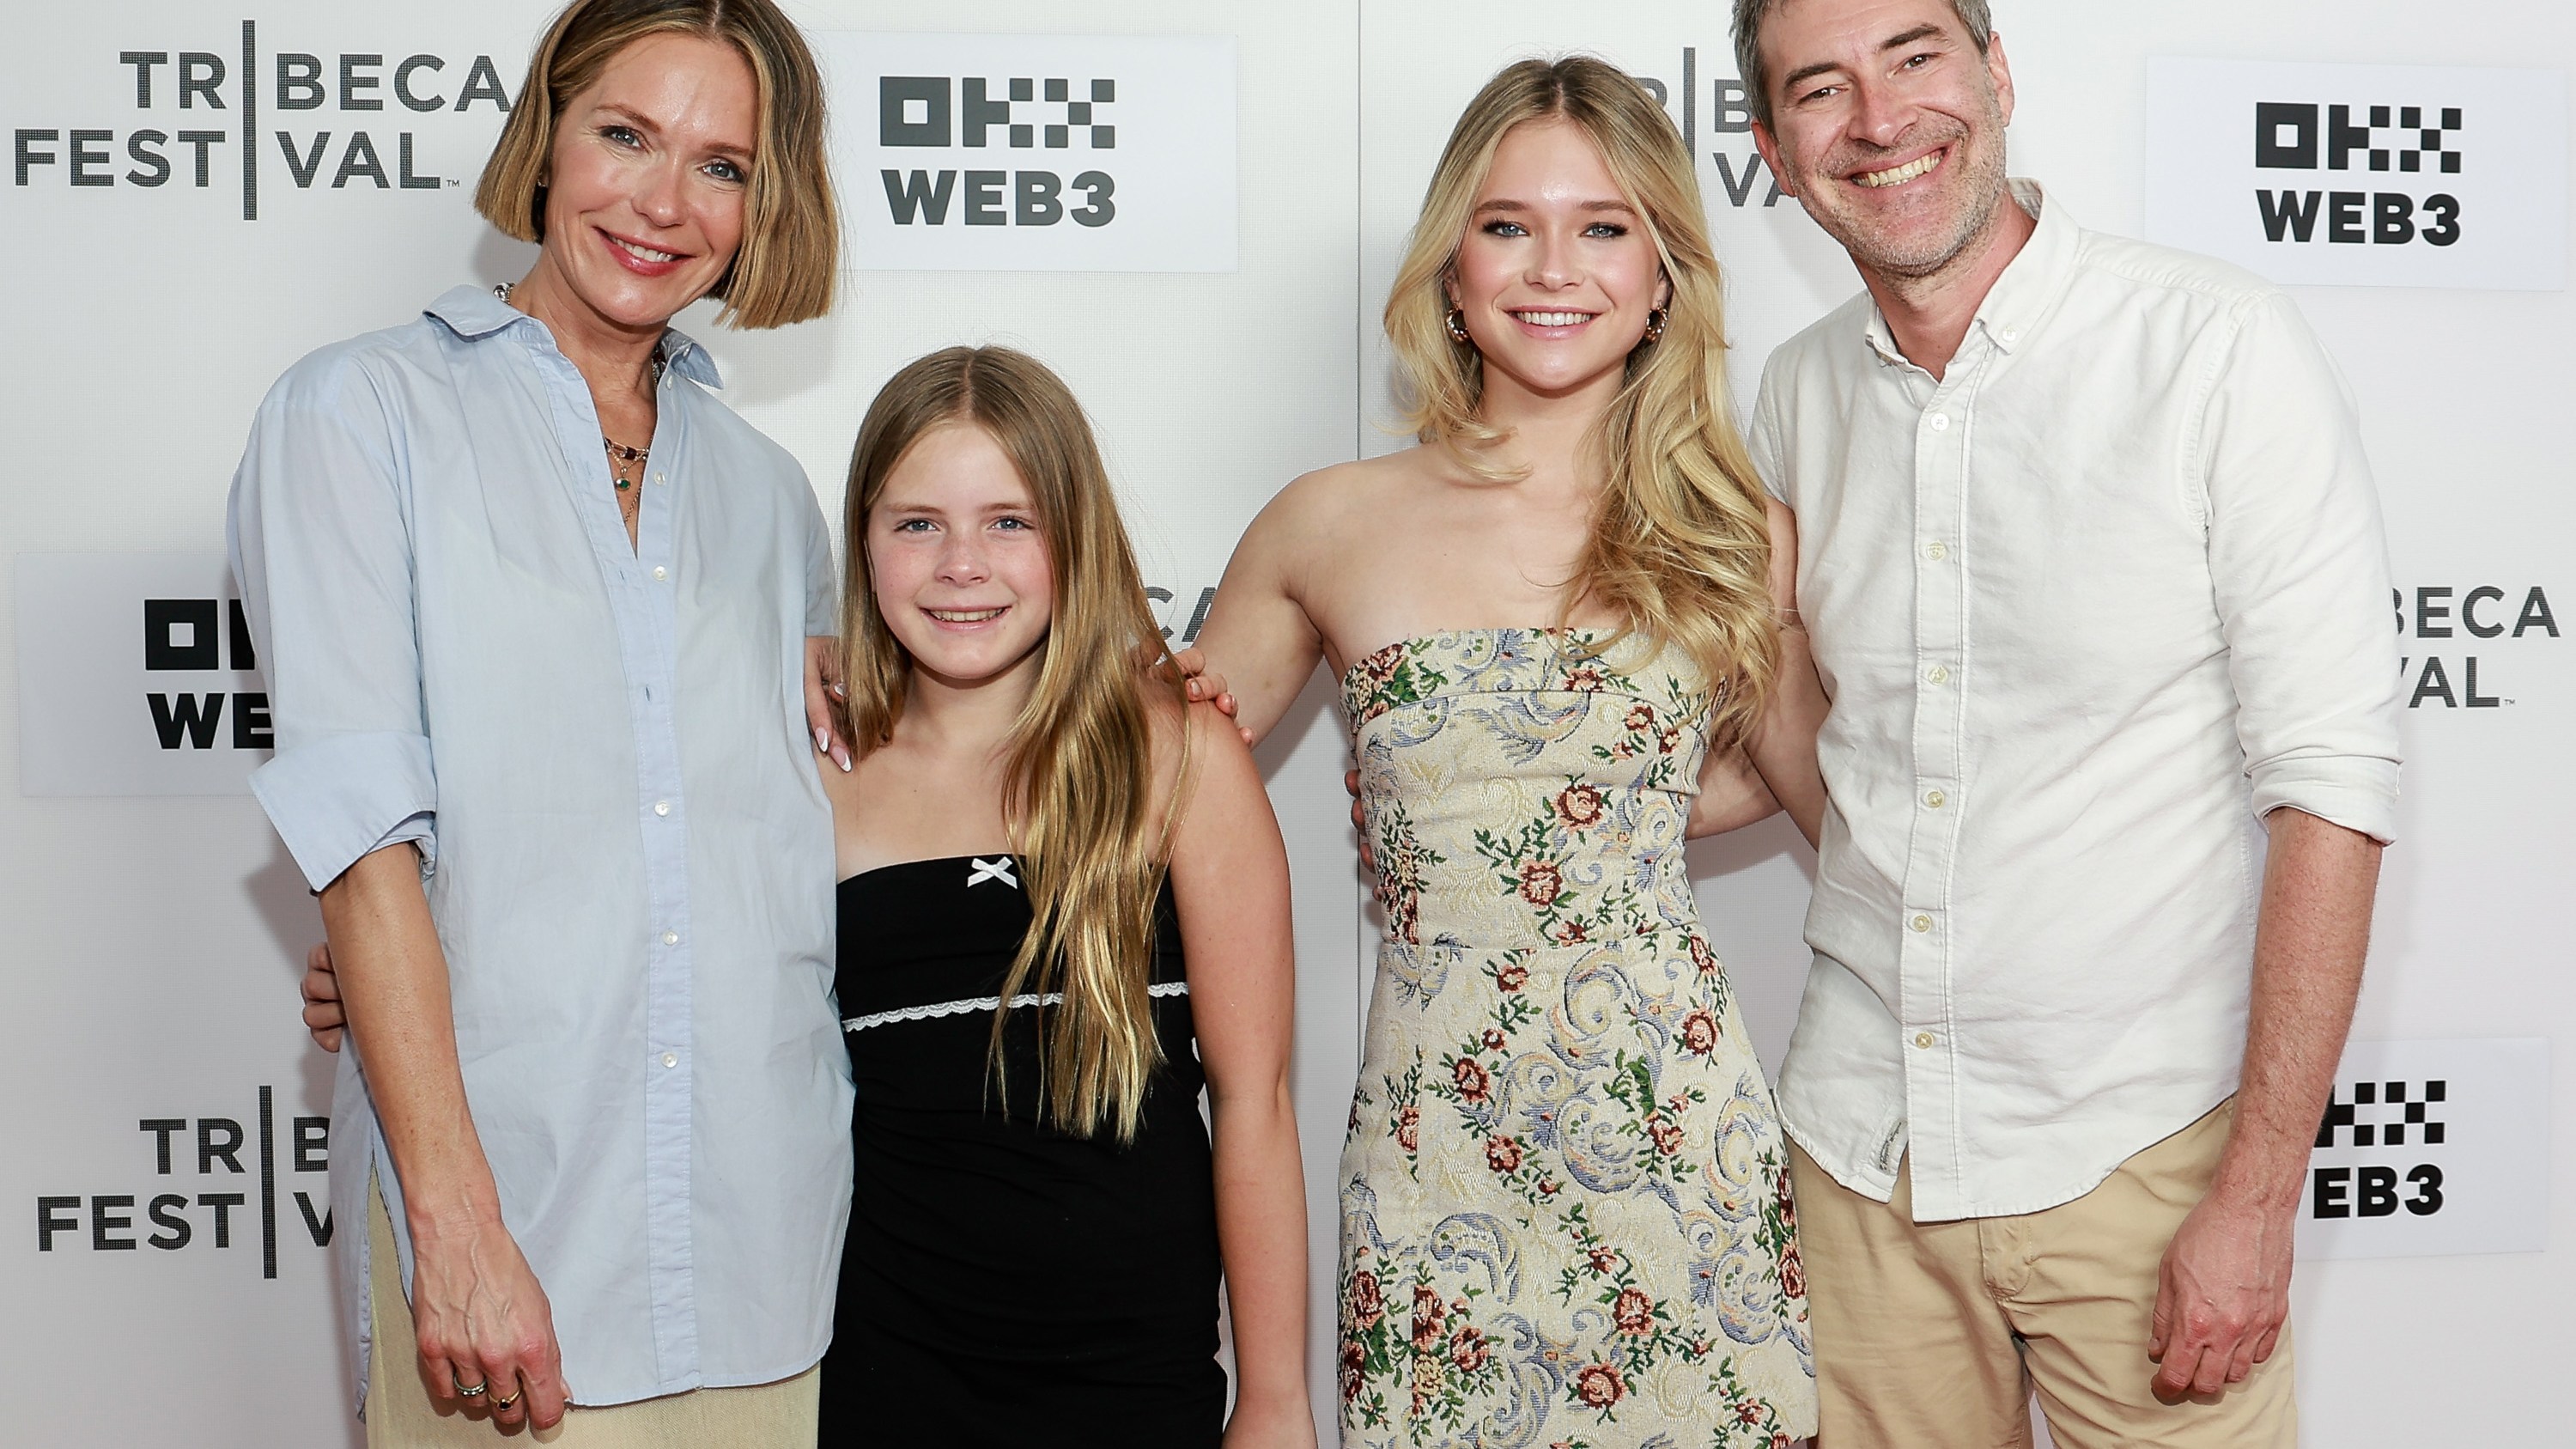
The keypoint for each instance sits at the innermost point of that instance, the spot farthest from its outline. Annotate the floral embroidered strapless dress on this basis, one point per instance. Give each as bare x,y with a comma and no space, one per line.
1565,1202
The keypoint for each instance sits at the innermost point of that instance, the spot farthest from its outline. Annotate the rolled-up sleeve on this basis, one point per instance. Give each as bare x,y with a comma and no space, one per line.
320,545
2299,562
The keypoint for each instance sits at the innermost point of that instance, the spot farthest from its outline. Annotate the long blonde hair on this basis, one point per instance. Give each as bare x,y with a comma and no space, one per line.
1680,545
1081,775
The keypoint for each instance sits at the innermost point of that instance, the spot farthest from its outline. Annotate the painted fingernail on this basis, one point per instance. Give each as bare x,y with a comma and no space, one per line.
841,755
822,742
840,690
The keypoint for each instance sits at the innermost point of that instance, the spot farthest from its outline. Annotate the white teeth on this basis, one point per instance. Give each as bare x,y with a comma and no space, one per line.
964,616
1898,176
647,253
1553,319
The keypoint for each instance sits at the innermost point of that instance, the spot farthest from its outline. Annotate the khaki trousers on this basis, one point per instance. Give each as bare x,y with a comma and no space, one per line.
402,1415
1935,1335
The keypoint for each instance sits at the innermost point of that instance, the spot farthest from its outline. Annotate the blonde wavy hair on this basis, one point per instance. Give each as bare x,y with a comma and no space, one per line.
1081,771
1680,546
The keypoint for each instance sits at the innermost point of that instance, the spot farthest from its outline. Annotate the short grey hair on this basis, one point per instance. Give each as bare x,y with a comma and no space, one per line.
1973,14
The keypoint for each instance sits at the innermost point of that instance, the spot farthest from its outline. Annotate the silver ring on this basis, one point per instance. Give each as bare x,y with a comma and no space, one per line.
476,1392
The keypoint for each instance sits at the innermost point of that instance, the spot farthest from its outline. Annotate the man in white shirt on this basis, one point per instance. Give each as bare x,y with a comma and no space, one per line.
2096,583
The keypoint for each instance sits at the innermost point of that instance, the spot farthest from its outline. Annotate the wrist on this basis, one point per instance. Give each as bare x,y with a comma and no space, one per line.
452,1216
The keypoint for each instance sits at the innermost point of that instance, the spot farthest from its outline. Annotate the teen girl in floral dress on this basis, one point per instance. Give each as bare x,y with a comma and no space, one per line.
1565,1207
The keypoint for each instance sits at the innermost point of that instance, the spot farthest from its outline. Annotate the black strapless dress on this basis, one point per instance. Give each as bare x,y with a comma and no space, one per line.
1004,1283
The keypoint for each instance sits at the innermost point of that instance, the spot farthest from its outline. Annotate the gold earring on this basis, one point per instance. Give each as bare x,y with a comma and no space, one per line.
1457,324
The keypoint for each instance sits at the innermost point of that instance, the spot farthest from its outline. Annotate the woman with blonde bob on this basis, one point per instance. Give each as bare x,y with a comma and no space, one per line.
1064,911
1560,626
536,611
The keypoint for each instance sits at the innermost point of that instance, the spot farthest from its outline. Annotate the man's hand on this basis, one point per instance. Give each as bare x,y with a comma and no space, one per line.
2221,1296
322,1013
486,1333
822,687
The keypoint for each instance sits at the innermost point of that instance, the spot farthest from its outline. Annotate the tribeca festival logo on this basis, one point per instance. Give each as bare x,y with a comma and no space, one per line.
938,112
2302,136
1111,153
204,1184
313,120
1741,171
2362,175
2460,627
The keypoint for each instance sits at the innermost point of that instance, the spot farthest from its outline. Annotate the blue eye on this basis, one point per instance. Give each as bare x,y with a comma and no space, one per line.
725,171
622,135
1505,228
913,525
1017,525
1605,230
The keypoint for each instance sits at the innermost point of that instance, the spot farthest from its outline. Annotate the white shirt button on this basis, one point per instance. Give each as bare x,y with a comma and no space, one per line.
1935,799
660,477
1923,1039
1936,550
1921,924
670,1059
660,572
1937,674
661,807
2012,334
670,938
1940,422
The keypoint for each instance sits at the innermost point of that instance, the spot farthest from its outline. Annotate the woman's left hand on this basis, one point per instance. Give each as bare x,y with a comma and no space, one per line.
822,689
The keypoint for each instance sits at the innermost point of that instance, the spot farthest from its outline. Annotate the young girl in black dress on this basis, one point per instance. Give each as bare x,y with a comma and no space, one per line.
1064,909
1063,912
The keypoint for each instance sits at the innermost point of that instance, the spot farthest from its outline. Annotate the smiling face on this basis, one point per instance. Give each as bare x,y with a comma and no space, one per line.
1889,126
1556,272
957,560
645,183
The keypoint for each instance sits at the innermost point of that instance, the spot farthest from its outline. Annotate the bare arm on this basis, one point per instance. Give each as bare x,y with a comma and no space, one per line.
481,1316
1257,635
2225,1288
1230,884
1783,744
1731,794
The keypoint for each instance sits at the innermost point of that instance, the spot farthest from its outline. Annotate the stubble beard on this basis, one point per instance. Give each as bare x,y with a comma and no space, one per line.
1982,185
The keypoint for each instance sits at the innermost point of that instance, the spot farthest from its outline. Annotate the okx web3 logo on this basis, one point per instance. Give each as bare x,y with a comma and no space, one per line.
136,676
1036,152
2362,175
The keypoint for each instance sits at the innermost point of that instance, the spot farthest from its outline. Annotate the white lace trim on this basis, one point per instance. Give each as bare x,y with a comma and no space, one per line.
985,1003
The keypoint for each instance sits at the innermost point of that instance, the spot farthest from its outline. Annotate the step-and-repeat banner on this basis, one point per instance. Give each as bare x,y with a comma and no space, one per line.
1193,213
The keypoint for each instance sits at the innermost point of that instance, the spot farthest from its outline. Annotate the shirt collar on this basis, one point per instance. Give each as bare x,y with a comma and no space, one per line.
474,313
2029,283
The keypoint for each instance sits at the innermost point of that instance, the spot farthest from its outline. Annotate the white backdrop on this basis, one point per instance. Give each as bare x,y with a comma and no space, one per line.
1220,324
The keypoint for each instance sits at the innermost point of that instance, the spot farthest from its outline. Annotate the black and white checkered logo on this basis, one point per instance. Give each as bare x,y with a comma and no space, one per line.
2293,136
939,111
2396,1114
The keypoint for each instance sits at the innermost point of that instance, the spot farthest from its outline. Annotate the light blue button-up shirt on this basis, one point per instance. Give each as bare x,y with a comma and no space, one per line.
601,751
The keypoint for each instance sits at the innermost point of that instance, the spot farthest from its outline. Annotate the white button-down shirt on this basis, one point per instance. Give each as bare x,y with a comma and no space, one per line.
600,748
2087,606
